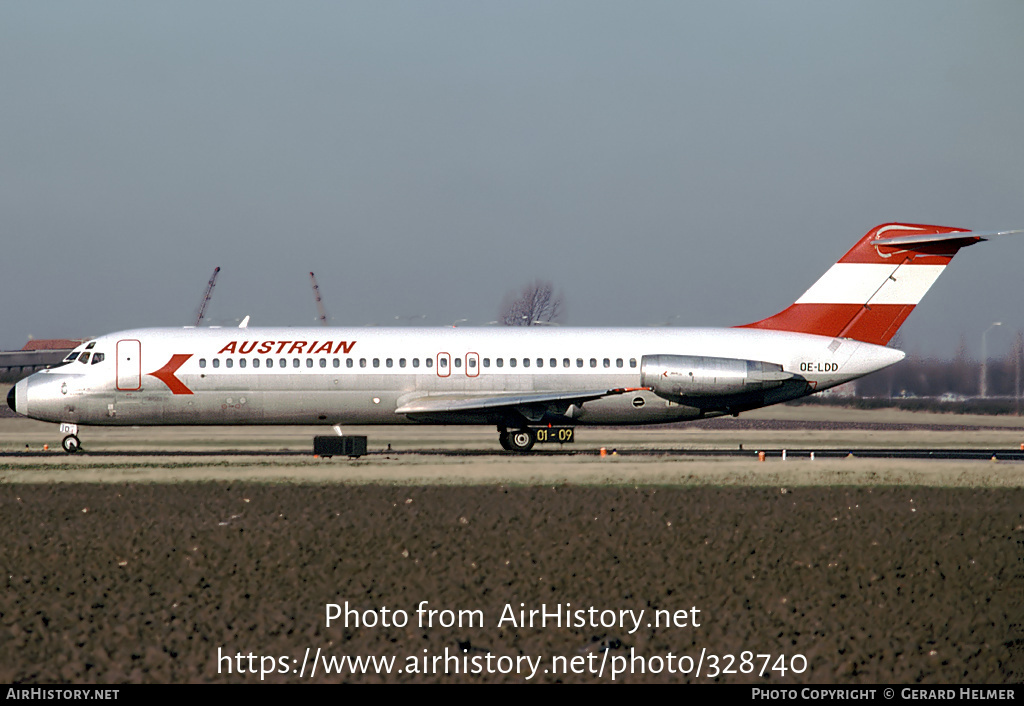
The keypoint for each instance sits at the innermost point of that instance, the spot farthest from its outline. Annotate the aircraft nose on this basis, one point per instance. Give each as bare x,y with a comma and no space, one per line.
17,397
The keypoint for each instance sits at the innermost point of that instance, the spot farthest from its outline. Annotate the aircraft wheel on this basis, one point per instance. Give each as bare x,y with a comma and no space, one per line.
503,440
521,440
71,443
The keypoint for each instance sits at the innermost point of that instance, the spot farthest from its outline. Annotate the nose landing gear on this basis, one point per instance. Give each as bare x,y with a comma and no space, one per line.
71,443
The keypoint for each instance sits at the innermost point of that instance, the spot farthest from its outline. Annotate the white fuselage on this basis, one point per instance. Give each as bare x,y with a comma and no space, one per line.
363,375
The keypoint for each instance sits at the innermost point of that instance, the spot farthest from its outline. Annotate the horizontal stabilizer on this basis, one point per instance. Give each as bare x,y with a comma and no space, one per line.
971,235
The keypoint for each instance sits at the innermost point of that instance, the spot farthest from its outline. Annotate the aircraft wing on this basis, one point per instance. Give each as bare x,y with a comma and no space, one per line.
449,402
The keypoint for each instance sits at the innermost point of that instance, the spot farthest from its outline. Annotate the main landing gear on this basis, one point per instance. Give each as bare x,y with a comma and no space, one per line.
517,440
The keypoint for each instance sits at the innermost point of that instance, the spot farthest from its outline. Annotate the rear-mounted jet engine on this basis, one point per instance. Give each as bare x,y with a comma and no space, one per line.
677,377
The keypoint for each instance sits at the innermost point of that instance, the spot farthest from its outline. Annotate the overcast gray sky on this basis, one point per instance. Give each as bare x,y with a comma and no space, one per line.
700,163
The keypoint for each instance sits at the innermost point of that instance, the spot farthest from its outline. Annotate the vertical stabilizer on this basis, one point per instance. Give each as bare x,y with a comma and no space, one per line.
869,293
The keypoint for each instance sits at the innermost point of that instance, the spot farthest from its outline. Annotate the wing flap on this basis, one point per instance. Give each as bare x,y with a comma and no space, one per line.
433,404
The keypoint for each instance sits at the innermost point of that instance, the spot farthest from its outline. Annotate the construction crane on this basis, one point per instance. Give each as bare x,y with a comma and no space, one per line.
206,296
319,301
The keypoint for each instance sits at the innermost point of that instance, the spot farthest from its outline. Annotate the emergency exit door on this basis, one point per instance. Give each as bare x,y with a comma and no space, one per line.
129,365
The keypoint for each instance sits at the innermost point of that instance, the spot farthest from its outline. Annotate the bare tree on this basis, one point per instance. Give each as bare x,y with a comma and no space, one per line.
963,370
536,303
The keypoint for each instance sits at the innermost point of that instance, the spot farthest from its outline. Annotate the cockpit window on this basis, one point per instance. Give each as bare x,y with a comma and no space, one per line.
98,358
90,346
71,356
84,358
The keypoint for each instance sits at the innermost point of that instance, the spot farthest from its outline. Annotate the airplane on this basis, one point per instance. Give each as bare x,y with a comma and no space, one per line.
533,383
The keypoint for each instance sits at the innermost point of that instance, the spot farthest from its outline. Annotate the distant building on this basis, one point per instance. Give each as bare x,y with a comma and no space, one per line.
53,344
847,389
34,355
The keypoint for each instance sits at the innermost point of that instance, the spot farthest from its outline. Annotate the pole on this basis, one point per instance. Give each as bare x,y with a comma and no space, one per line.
984,360
1020,352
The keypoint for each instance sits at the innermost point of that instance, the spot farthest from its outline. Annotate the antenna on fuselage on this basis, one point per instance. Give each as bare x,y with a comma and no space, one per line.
319,301
207,295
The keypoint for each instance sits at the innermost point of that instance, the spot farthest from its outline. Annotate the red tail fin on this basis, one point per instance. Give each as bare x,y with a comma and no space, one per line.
869,293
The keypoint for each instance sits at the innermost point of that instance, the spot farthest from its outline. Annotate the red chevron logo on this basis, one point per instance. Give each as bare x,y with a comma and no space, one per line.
167,377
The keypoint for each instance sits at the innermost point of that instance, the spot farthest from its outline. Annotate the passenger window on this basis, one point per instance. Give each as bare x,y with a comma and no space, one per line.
458,362
323,362
295,362
618,362
309,362
202,362
526,362
593,362
415,362
216,362
348,362
229,363
565,362
241,362
97,358
579,362
540,362
487,362
443,363
282,363
336,363
429,362
376,362
553,363
500,362
607,363
511,362
390,362
471,362
362,362
270,362
401,362
632,362
84,358
255,362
